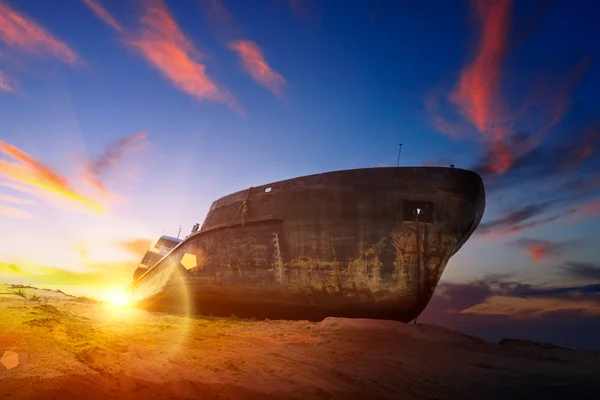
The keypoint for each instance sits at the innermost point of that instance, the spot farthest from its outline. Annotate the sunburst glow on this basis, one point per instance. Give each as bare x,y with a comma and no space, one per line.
117,298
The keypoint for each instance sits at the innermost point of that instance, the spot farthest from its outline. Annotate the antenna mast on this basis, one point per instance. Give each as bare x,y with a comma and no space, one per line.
179,233
399,152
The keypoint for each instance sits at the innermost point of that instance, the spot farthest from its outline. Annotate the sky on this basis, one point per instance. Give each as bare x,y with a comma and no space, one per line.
123,120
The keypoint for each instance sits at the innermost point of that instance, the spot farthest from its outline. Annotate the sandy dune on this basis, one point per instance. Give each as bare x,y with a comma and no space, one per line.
68,348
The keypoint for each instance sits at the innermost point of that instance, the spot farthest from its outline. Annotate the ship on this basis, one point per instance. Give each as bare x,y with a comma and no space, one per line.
162,247
360,243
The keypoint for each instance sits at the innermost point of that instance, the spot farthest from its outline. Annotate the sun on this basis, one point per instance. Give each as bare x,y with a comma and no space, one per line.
117,298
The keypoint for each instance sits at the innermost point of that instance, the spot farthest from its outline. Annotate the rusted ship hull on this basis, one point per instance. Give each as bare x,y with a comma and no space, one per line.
366,243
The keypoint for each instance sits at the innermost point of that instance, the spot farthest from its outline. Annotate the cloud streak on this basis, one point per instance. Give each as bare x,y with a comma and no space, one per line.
95,170
137,247
15,212
518,148
21,32
161,42
502,295
477,92
590,208
572,153
14,200
6,84
307,10
544,249
17,187
25,174
164,46
476,97
103,14
254,63
582,270
228,31
30,172
518,219
220,20
479,99
508,134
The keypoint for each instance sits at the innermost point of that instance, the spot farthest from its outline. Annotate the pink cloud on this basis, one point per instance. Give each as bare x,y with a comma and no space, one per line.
478,96
6,83
103,14
19,31
255,64
15,212
14,200
161,42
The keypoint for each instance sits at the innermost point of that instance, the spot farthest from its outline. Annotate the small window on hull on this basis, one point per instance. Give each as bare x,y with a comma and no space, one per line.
411,209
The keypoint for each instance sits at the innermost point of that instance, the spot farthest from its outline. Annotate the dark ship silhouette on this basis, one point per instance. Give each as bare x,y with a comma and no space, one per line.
364,243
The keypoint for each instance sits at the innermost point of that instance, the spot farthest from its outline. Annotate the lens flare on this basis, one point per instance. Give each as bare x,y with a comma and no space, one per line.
117,298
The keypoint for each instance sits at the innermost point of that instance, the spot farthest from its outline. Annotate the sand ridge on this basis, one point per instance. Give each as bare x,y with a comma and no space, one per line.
72,348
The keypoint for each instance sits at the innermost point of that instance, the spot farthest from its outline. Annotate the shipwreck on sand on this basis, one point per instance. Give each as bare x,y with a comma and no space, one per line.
364,243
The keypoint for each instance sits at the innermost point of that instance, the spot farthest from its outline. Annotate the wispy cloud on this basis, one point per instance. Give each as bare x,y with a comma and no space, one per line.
21,32
503,295
30,172
476,97
109,159
440,121
138,246
306,10
545,249
17,187
518,219
582,270
6,84
477,91
590,208
255,64
103,14
15,212
229,31
220,21
21,35
162,43
526,143
521,218
14,200
25,174
479,96
570,292
570,155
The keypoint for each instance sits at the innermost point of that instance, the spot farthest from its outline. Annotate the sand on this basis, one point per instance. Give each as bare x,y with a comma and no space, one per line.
55,346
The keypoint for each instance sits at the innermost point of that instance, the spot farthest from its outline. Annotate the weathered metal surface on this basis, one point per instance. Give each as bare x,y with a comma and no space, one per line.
344,243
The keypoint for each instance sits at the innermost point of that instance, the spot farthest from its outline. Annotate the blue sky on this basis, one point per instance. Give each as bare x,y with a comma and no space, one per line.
347,83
